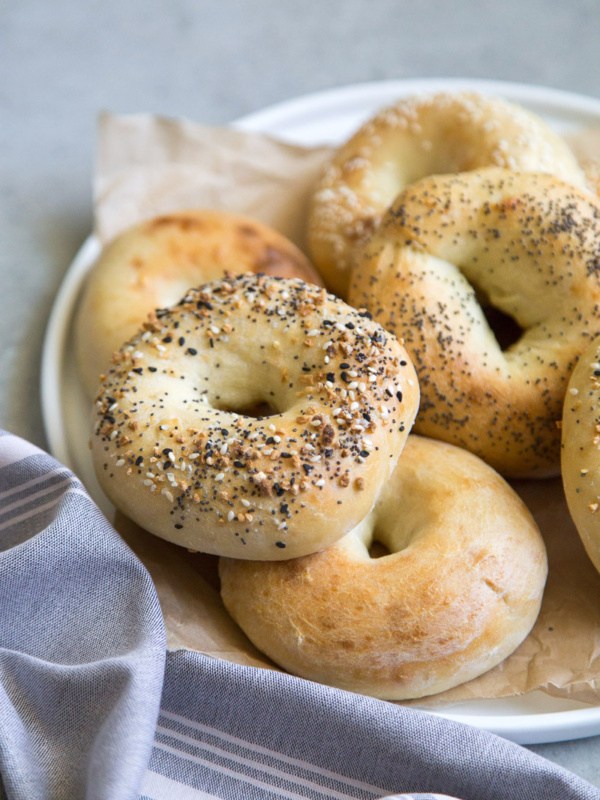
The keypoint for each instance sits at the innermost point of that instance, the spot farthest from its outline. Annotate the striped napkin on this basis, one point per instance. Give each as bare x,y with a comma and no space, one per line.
91,708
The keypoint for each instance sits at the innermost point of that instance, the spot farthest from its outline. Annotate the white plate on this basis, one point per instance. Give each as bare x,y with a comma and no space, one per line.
316,119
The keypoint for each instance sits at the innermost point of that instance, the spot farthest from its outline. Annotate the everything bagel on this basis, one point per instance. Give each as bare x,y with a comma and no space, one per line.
417,137
458,591
580,457
154,263
524,244
174,446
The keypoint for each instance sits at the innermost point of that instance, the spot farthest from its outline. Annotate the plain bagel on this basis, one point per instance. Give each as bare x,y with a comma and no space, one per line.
176,450
525,245
458,591
581,449
154,263
420,136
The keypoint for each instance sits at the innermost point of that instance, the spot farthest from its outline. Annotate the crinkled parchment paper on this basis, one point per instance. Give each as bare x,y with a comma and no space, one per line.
148,165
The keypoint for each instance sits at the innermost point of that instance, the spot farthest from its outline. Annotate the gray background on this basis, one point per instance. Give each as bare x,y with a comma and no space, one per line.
63,61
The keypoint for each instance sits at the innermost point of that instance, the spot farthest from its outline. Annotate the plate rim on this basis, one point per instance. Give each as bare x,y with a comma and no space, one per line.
527,728
518,92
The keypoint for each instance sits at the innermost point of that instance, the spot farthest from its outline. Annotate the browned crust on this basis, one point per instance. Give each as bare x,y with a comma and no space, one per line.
460,590
153,264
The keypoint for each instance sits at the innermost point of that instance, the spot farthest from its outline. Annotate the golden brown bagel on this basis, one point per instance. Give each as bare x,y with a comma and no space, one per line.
459,590
153,264
174,450
591,170
580,449
420,136
525,244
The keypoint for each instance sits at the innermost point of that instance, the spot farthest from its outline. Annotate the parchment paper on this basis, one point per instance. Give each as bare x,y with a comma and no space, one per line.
148,165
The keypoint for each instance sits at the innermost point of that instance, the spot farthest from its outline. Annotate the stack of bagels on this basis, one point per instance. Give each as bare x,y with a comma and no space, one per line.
340,430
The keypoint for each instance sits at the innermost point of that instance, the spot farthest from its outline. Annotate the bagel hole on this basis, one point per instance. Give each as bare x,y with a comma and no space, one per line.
255,410
506,330
378,550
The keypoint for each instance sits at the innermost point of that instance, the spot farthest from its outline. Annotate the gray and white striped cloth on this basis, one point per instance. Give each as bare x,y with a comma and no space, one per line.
90,708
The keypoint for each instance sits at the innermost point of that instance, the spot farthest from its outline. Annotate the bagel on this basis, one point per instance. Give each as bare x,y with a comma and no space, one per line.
580,458
458,591
417,137
153,264
450,247
591,170
176,451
